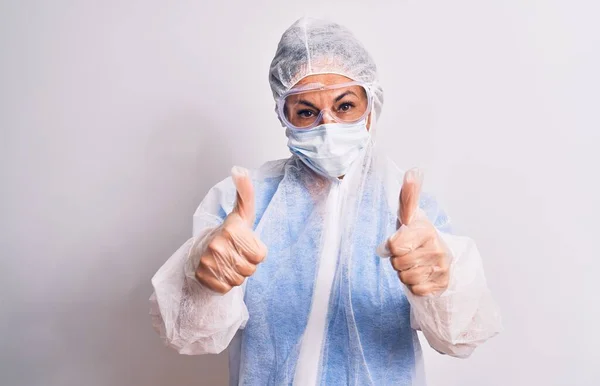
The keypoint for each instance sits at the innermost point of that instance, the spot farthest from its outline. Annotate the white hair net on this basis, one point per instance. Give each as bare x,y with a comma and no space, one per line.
313,46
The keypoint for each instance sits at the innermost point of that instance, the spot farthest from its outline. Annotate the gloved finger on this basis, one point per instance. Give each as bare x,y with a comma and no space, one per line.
409,195
405,262
421,257
224,269
429,288
258,253
221,252
409,238
423,289
206,277
244,204
403,241
244,241
234,279
210,281
219,257
243,266
417,275
383,250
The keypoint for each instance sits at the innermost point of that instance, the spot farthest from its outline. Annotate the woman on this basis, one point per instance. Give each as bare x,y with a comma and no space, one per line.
326,306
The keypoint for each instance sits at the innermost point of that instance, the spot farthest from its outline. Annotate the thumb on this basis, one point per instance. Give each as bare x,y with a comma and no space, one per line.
409,195
244,203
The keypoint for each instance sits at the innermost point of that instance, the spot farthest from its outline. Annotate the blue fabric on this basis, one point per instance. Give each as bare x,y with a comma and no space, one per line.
368,340
278,295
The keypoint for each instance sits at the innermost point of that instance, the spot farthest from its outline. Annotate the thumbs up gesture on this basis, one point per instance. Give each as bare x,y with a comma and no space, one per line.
234,250
416,250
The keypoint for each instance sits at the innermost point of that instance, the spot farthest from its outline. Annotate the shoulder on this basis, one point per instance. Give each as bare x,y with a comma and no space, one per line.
220,199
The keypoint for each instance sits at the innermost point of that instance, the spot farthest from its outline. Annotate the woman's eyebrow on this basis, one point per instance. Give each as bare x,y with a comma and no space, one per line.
339,97
307,103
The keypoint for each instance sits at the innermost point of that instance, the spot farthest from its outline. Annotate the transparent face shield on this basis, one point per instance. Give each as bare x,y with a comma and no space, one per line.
308,106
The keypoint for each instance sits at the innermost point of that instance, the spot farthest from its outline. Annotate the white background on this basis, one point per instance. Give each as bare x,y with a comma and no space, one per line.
117,116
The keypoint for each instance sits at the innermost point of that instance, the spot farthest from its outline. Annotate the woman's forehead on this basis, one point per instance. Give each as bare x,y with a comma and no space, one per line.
353,91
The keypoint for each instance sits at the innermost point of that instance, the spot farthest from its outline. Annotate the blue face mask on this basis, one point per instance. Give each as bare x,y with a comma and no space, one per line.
329,149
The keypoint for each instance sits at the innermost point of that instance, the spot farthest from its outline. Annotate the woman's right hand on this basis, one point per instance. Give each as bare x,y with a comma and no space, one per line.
234,250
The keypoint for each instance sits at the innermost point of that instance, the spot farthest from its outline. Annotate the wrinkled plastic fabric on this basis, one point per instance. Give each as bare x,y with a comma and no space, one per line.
464,315
371,322
190,318
370,331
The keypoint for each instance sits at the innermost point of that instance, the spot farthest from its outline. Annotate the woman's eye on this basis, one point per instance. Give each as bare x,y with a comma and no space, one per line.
345,107
306,114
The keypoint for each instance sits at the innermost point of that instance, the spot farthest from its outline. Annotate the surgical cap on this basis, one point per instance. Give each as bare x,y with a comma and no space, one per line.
312,46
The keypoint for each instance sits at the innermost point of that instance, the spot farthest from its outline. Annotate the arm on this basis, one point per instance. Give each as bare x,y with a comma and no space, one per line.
189,317
443,275
464,315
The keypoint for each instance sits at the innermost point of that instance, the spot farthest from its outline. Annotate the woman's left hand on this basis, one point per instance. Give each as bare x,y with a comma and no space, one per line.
416,250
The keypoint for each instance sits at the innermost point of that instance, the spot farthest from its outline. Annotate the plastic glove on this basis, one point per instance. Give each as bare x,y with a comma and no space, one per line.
234,250
416,250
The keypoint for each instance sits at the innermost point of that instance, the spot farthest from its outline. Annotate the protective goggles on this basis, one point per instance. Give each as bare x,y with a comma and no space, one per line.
308,106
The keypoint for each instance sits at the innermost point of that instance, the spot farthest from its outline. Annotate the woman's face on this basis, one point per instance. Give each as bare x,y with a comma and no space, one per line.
347,103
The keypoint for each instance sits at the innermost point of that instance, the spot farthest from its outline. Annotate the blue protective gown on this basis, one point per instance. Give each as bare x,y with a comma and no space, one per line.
321,235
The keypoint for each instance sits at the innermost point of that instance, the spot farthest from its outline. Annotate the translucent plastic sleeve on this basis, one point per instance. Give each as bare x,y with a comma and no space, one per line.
189,317
464,315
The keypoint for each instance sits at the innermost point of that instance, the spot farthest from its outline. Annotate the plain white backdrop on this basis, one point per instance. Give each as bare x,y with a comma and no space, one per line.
117,117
